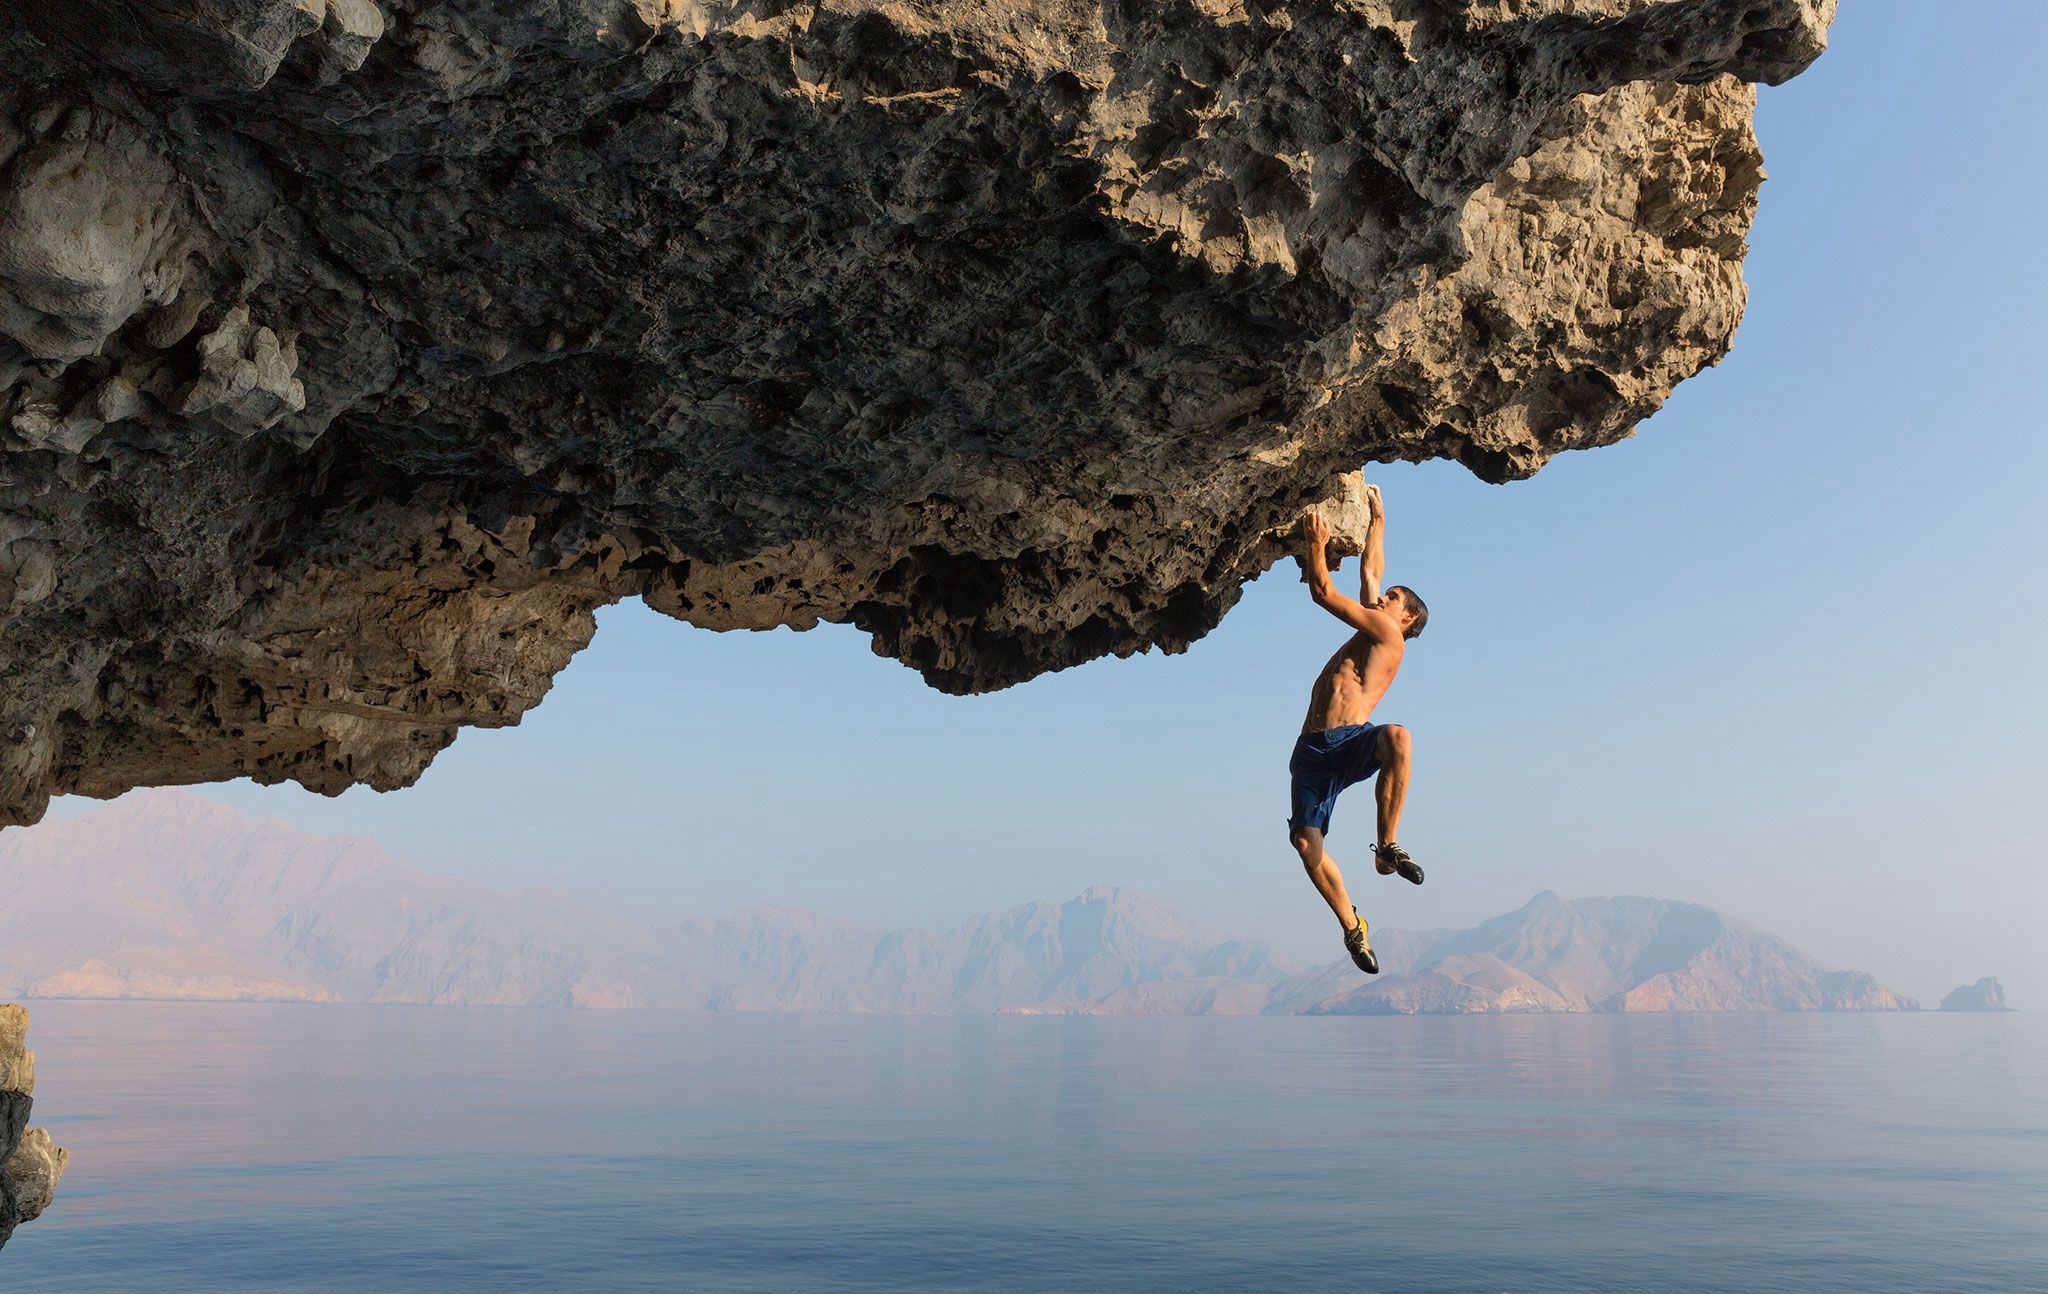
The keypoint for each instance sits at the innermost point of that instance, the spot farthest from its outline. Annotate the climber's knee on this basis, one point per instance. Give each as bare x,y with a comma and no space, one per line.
1308,842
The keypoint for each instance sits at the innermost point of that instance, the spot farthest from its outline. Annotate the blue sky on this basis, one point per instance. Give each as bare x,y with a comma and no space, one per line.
1780,654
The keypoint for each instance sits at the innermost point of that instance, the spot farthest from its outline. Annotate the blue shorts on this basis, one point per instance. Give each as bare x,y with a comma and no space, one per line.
1325,763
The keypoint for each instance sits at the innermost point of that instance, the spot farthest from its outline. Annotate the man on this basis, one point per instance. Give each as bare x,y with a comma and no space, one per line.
1339,745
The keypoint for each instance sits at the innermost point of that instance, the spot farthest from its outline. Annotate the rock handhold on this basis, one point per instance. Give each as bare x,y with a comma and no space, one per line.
245,376
352,354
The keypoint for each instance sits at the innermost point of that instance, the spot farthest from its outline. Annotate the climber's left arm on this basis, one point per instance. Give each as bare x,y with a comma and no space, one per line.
1374,565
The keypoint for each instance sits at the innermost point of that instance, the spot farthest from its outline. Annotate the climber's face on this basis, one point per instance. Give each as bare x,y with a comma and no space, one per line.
1402,604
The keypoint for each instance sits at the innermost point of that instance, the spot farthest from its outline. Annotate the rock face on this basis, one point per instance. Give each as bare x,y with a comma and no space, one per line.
1986,994
353,351
29,1164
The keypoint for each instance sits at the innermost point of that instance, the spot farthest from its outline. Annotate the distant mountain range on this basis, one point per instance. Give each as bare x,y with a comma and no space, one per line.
165,895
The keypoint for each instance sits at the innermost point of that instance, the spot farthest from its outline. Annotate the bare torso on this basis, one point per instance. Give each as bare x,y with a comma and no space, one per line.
1353,682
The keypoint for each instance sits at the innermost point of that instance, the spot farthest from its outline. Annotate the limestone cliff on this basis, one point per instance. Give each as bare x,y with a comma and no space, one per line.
29,1164
353,351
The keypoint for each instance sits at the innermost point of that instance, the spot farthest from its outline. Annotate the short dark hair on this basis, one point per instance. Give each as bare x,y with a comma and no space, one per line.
1415,605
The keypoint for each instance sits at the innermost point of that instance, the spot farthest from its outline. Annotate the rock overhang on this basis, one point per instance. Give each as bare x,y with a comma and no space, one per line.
352,353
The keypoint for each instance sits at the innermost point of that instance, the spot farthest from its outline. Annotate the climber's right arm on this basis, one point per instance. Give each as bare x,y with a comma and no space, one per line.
1320,587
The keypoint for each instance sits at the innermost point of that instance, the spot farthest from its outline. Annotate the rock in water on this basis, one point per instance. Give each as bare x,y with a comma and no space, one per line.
1986,994
352,352
29,1164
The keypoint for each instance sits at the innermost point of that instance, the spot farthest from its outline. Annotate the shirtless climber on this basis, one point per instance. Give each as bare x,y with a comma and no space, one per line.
1338,745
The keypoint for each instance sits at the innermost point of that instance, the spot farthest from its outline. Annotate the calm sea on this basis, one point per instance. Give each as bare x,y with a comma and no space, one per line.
366,1149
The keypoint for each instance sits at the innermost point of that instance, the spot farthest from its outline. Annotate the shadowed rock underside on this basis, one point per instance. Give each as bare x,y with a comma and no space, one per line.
352,354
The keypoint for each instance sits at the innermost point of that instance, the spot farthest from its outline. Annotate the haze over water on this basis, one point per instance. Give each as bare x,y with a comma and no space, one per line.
259,1147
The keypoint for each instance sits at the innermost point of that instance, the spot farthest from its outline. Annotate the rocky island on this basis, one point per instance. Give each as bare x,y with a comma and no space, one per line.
1986,994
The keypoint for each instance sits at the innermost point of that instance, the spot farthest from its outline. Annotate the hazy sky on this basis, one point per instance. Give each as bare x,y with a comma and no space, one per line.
1779,655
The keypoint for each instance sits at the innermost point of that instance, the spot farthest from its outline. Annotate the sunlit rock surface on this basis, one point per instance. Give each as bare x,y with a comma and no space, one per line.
353,351
29,1164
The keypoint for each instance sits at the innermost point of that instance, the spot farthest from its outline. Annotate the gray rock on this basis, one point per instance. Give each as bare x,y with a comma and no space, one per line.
352,353
1986,994
29,1164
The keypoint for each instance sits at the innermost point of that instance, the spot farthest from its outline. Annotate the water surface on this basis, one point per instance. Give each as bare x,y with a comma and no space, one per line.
371,1149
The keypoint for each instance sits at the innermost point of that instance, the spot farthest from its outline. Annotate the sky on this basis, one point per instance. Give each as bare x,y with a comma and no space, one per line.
1780,654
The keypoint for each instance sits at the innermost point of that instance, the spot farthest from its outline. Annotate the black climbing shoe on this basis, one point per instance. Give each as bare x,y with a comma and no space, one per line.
1361,953
1389,859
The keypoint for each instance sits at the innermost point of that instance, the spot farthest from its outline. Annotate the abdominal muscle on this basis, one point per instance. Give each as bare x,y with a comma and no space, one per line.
1352,684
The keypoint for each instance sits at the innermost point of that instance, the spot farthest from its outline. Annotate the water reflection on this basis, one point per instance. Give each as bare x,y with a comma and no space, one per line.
613,1150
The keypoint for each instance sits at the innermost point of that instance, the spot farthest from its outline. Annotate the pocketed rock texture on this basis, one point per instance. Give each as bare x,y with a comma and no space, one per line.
29,1164
352,353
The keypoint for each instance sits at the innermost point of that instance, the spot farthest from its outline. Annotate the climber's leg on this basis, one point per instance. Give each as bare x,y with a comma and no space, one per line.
1396,758
1323,873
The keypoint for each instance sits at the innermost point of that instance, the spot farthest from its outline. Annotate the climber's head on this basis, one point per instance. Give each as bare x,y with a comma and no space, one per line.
1401,603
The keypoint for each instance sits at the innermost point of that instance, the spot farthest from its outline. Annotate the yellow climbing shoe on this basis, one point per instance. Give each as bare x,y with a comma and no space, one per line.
1361,952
